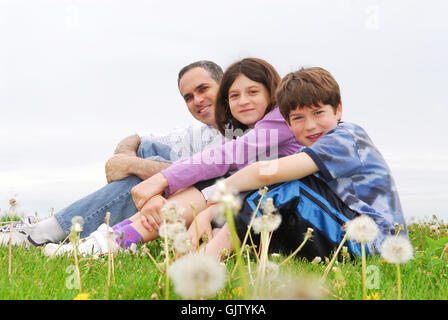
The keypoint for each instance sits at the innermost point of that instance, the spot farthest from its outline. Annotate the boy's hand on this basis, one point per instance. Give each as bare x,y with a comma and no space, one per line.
204,228
148,189
150,213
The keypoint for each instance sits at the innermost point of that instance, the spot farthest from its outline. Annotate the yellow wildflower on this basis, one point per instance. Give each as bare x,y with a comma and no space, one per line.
82,296
374,296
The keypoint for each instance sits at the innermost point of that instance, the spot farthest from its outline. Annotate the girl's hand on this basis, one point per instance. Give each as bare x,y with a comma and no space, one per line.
150,213
147,189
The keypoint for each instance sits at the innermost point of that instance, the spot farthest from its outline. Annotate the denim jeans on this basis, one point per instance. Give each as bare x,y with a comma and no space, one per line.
114,197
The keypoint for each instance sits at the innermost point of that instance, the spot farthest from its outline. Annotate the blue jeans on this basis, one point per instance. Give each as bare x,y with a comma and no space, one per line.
114,197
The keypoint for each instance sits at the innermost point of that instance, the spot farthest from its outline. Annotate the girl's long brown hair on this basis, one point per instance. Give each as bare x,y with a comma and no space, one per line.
257,70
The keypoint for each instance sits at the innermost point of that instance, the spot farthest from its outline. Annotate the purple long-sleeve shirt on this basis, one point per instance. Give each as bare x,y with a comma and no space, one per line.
269,138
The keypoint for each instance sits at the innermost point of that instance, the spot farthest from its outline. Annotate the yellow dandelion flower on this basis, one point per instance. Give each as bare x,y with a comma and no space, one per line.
374,296
82,296
237,291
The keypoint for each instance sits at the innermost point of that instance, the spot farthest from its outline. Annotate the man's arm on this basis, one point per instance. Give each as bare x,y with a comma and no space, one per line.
128,145
121,166
125,162
263,173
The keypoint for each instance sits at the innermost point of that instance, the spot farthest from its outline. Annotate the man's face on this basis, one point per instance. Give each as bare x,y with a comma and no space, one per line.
199,91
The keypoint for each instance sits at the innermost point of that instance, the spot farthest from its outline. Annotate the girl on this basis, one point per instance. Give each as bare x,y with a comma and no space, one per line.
247,114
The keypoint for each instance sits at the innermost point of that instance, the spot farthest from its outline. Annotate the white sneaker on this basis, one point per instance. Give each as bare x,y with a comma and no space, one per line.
95,244
20,233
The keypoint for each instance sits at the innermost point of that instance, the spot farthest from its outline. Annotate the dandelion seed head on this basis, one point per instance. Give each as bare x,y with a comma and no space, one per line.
362,229
182,243
298,287
262,192
435,228
12,202
267,222
268,206
309,233
197,275
77,223
171,211
172,229
397,249
272,270
227,199
316,260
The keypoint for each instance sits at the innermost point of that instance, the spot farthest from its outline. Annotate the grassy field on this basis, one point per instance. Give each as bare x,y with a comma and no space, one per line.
35,276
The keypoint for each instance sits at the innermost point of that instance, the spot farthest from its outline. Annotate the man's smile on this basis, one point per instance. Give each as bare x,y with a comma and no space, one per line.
204,109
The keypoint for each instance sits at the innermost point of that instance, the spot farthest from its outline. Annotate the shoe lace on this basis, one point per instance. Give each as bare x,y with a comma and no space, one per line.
18,225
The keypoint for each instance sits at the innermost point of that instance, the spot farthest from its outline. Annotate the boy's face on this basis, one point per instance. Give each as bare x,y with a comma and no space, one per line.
310,123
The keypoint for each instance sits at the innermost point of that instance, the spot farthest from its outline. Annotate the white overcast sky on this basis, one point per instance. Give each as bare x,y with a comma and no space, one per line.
78,76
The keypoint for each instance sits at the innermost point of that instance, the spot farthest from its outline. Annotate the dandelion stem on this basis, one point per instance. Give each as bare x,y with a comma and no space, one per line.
167,278
78,272
249,268
333,259
146,250
307,237
109,254
193,208
364,276
236,244
54,253
264,238
252,220
398,282
10,239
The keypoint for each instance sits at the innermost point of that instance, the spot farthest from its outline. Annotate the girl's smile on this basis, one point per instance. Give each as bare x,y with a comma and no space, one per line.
248,100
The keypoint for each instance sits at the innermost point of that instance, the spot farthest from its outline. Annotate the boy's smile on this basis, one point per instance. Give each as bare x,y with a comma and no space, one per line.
310,123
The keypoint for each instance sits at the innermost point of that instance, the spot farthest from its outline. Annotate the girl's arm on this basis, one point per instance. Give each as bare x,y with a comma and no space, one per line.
264,173
270,135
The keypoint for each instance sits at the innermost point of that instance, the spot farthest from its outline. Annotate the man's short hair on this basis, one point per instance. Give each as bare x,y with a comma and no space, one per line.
307,87
214,70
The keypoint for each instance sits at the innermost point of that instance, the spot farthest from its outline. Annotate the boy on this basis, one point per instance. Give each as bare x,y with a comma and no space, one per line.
337,176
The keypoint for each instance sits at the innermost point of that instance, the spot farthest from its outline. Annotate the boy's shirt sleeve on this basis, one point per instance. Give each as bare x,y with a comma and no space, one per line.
335,154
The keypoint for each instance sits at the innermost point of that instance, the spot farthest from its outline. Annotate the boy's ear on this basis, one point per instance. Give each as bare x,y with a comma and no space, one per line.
339,111
288,124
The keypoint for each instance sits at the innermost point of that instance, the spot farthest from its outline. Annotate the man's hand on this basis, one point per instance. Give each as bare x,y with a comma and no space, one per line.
128,145
147,189
150,213
204,220
117,167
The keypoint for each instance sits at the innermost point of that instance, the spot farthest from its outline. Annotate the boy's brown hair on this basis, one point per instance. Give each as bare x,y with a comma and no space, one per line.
307,87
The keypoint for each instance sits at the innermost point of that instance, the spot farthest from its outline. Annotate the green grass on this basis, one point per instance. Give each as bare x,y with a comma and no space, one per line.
35,276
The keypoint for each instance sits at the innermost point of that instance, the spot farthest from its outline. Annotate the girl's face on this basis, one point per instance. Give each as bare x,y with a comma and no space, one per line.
248,100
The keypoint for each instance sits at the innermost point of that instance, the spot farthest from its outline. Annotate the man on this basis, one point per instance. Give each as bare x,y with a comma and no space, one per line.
136,158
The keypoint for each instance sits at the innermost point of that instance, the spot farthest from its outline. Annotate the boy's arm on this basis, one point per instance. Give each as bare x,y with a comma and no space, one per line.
263,173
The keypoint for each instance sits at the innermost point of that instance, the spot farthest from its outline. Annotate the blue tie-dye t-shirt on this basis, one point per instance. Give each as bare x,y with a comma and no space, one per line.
354,169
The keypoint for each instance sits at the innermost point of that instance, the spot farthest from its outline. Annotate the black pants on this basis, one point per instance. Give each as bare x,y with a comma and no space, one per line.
302,204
